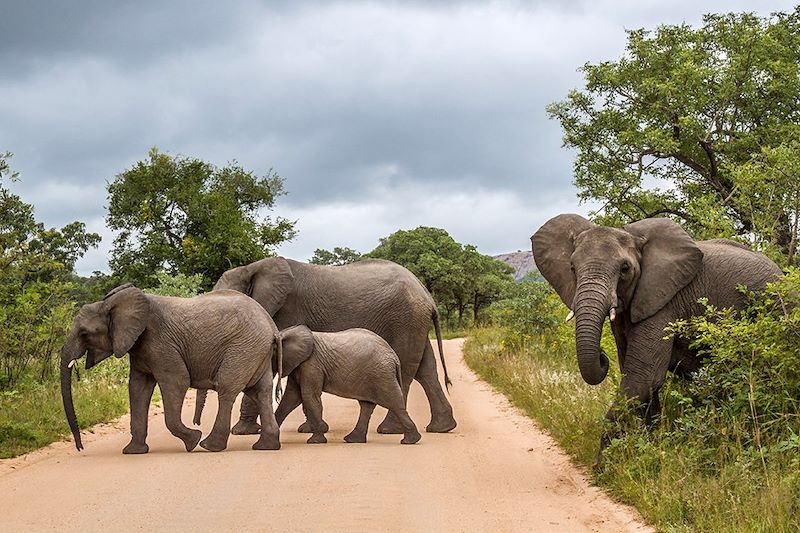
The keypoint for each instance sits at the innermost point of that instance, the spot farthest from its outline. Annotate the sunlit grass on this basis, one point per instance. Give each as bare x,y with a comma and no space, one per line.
32,415
675,480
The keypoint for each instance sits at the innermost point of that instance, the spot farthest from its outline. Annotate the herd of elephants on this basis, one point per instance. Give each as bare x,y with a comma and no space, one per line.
360,331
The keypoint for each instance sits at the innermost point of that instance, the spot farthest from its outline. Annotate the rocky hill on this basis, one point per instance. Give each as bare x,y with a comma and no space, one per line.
522,261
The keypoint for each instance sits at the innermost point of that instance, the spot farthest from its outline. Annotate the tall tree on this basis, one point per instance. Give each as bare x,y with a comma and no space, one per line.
430,253
660,130
183,215
458,276
36,272
336,257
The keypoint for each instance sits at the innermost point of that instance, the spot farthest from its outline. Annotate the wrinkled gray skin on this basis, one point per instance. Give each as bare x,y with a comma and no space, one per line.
377,295
649,273
220,340
354,363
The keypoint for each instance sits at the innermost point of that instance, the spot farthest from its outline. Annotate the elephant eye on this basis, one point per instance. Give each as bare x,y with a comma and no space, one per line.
625,267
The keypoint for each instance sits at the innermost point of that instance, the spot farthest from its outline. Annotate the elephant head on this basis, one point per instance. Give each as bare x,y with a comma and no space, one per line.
268,281
298,345
599,271
111,325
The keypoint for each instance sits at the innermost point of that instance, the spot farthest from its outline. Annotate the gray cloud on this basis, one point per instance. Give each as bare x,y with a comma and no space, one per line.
383,114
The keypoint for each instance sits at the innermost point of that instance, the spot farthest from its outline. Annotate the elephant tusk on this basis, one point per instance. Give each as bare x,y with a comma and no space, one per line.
71,363
612,314
570,316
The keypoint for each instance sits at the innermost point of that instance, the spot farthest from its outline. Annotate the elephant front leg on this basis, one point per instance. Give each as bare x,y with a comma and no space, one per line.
291,399
312,401
645,370
173,392
140,391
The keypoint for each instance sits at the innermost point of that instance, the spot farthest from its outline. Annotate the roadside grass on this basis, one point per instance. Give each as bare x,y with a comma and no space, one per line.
32,415
677,477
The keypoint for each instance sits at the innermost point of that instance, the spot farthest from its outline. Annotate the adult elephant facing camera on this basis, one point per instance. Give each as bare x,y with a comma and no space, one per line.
643,276
374,294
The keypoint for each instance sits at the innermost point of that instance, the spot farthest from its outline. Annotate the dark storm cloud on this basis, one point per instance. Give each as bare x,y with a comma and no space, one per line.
379,115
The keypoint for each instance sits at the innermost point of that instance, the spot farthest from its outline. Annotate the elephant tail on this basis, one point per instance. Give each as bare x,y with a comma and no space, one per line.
438,330
199,403
279,386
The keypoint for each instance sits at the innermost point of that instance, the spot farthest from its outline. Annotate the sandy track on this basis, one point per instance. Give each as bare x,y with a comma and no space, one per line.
495,472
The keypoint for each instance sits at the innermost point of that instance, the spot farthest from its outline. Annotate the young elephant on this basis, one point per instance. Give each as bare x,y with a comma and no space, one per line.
222,340
355,363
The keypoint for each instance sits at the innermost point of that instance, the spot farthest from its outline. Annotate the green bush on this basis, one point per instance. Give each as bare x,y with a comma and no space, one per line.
747,394
530,310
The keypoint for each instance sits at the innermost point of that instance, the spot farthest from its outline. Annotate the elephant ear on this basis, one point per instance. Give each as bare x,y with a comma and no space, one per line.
236,279
670,261
128,309
298,344
271,283
552,247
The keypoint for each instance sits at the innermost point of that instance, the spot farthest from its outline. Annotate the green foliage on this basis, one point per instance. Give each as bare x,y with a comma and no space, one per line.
458,276
36,284
750,381
339,256
186,216
769,193
527,312
31,415
663,129
177,285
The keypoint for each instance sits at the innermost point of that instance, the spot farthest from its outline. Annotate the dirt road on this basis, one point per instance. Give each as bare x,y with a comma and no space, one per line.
495,472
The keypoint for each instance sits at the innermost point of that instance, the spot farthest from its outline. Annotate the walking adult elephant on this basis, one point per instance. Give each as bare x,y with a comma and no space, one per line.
643,277
221,340
374,294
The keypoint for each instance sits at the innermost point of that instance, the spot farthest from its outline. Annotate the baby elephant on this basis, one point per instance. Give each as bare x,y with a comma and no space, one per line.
355,363
221,340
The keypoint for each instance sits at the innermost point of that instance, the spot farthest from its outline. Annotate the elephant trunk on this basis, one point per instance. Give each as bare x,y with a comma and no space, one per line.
71,351
591,307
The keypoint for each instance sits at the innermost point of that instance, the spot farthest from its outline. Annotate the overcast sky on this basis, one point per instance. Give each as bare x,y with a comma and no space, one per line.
378,115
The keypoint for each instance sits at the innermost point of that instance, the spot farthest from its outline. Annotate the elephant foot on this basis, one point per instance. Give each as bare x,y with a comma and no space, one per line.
317,438
305,427
390,427
355,437
271,443
442,424
135,448
246,427
411,438
213,444
191,441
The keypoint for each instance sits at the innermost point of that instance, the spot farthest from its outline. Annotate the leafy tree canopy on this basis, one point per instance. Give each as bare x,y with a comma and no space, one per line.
457,275
662,130
36,282
185,216
339,256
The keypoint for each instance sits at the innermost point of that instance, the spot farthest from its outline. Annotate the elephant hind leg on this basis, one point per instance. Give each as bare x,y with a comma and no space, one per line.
397,407
248,418
270,438
442,419
359,433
